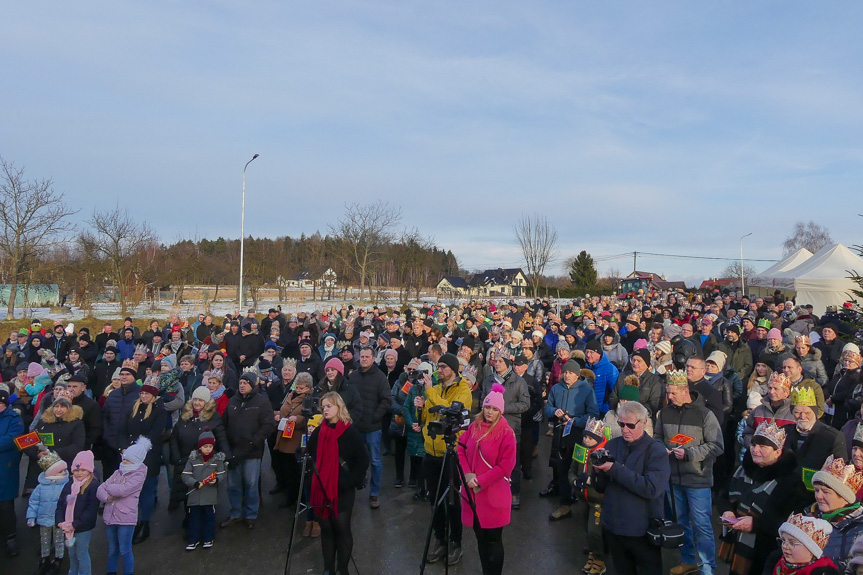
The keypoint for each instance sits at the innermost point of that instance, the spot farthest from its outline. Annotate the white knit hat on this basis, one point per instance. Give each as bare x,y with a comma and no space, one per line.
810,531
137,452
202,393
852,347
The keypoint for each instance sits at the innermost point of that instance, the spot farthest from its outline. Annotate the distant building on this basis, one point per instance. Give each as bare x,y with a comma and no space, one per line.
322,277
510,282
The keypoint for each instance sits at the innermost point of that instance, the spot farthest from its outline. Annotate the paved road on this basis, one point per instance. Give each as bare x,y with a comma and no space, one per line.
386,540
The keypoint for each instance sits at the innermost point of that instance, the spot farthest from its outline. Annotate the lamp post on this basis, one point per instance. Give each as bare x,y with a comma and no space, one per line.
243,231
742,281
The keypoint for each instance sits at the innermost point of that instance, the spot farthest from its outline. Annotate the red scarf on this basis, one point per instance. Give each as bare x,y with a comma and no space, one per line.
326,485
783,568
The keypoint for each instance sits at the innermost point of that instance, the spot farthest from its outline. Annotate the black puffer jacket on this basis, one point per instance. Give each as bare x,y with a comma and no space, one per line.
153,428
248,422
184,438
374,391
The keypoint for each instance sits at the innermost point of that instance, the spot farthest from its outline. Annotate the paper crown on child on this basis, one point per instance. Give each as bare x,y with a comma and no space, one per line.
595,428
676,377
844,479
772,433
812,532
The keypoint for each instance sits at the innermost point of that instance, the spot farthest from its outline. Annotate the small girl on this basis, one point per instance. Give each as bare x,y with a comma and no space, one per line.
203,471
595,437
77,510
42,507
120,494
802,540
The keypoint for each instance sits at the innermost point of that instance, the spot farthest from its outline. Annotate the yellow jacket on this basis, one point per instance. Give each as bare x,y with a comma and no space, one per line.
438,395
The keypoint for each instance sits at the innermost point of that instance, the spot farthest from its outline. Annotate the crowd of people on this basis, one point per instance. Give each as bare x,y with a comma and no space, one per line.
665,412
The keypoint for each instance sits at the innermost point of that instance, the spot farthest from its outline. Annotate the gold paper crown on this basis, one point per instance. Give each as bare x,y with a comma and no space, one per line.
778,376
847,474
772,433
290,362
676,377
803,396
594,427
808,526
858,433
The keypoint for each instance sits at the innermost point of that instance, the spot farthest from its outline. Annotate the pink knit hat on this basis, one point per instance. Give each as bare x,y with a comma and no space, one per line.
391,353
84,460
495,397
774,334
336,364
639,344
34,369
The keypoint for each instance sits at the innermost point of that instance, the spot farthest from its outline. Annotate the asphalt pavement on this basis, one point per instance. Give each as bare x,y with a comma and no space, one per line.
386,540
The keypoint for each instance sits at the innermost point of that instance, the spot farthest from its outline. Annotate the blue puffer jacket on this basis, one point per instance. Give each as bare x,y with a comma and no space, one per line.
578,401
11,426
606,378
126,348
43,501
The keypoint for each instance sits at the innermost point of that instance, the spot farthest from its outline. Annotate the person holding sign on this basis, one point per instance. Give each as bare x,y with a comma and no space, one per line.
595,438
570,404
693,440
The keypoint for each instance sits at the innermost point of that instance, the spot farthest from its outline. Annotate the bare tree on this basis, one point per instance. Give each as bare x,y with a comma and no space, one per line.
116,239
810,236
33,218
364,231
732,270
538,241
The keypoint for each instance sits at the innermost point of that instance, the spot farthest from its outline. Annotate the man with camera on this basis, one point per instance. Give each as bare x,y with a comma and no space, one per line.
632,476
451,388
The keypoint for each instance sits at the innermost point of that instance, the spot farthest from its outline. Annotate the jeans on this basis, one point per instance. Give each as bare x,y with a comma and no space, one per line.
243,479
373,442
694,515
202,524
79,554
147,499
120,545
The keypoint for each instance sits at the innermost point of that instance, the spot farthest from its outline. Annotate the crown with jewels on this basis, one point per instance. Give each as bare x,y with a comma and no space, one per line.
847,474
781,378
594,427
676,377
809,528
772,433
803,396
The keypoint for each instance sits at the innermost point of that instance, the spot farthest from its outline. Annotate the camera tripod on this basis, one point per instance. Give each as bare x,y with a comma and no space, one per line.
449,495
308,463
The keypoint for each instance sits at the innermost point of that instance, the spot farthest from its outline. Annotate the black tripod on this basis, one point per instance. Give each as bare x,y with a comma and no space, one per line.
308,462
450,492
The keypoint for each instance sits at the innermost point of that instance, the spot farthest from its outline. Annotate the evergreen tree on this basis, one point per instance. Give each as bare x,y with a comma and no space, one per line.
582,271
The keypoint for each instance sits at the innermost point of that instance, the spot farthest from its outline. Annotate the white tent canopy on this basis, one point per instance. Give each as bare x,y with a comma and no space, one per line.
777,271
821,279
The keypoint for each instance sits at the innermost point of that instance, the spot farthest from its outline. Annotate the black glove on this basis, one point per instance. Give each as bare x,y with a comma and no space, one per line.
581,482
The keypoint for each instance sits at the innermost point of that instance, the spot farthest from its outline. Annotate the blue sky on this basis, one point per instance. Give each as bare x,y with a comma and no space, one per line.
671,127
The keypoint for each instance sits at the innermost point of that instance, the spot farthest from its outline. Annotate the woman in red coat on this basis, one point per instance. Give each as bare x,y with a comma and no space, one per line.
487,456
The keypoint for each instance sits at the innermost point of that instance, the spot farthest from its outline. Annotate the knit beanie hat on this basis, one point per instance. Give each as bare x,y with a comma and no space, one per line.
336,364
643,354
84,460
116,374
672,331
201,393
640,343
664,347
206,438
495,397
137,452
561,344
450,361
52,464
34,369
572,366
812,532
595,346
629,389
774,334
718,359
391,353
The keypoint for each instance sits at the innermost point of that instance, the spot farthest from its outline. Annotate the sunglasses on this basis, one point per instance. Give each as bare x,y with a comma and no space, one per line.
623,424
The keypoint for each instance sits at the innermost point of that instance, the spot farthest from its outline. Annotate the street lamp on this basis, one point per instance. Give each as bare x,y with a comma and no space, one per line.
742,281
243,231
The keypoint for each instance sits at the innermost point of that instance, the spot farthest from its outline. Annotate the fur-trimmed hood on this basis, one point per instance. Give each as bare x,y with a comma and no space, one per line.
206,413
72,414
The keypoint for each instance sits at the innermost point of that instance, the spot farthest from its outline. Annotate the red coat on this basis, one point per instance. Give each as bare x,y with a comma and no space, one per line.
491,458
222,403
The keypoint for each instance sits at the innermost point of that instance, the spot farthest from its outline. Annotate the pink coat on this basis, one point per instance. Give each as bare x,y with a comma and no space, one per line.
120,495
492,459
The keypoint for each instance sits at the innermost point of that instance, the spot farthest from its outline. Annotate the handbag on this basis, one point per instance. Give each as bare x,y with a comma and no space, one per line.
664,533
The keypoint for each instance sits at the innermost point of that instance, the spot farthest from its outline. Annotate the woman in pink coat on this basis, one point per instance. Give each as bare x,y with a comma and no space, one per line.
487,456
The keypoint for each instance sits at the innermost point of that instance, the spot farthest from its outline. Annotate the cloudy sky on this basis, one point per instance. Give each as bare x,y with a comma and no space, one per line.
668,127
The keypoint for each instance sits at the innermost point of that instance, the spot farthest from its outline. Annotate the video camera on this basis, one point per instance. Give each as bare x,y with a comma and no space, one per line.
311,406
600,457
453,419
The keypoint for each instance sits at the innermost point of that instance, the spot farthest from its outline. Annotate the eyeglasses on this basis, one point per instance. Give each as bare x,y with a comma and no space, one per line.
782,542
623,424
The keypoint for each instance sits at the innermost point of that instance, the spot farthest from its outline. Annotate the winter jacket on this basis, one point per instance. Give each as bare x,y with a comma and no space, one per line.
153,428
416,442
821,442
196,470
813,367
841,389
651,390
120,495
312,365
723,386
190,380
11,426
348,393
374,390
86,506
698,422
65,436
577,401
42,505
635,486
830,353
248,422
117,407
184,436
516,397
92,418
355,457
100,377
739,358
252,346
846,530
781,415
615,353
458,390
126,348
606,378
292,407
488,454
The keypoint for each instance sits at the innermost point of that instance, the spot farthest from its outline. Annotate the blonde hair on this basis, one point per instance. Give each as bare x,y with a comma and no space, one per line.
149,408
336,399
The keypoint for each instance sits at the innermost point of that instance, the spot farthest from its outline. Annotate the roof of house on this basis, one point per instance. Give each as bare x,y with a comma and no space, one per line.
456,281
499,276
666,285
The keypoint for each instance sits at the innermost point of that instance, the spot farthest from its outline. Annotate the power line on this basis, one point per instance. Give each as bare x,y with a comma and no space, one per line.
702,257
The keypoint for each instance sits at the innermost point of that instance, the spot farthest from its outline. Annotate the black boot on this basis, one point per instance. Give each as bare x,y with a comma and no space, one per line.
43,566
12,546
53,567
143,534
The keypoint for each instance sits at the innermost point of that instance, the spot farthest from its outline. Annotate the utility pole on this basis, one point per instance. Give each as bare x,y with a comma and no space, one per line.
634,262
